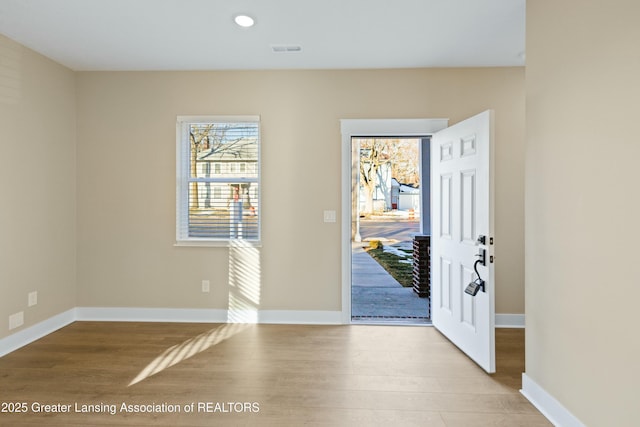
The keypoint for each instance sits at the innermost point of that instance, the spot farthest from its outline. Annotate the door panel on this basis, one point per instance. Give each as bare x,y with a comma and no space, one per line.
462,184
468,209
445,207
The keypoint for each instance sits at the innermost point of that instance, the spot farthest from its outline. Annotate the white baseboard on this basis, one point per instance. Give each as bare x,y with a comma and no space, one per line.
509,320
124,314
296,317
127,314
37,331
547,404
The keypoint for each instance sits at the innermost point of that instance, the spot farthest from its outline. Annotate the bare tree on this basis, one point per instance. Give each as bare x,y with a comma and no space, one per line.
374,153
197,137
405,155
401,155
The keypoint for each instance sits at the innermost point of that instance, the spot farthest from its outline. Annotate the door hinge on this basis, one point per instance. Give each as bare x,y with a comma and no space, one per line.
491,259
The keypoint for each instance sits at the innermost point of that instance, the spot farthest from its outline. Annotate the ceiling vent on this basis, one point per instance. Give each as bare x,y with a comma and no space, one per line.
286,48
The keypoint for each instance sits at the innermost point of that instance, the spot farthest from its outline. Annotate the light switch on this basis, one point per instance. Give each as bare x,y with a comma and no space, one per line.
329,216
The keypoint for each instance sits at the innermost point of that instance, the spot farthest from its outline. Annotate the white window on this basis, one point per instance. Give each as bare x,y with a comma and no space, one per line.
217,191
232,210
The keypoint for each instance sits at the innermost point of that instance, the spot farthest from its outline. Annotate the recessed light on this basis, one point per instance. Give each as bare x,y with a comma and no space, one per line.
244,21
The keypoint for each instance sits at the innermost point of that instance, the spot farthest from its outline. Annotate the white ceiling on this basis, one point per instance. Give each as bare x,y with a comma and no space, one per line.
201,34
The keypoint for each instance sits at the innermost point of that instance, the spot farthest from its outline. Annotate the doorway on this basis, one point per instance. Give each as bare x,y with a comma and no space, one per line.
386,216
389,222
462,182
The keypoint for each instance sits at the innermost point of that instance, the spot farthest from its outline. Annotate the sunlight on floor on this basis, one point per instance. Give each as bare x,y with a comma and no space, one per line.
244,302
189,348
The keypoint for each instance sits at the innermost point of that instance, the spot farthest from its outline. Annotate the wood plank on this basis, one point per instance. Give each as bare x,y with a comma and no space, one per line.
295,374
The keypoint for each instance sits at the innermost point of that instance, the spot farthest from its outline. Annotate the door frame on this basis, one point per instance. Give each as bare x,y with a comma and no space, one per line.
351,128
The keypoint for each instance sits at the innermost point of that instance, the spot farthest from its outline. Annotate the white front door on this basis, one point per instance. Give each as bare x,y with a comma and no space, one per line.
462,212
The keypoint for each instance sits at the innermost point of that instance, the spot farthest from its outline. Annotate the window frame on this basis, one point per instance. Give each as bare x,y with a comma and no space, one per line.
183,148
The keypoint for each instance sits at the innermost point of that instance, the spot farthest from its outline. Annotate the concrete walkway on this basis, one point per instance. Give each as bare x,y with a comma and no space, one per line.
378,297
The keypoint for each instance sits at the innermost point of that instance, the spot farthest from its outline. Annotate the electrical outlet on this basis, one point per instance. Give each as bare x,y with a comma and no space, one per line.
33,298
16,320
205,286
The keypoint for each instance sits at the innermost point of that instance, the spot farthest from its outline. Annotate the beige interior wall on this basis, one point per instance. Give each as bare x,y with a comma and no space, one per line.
583,206
37,185
126,177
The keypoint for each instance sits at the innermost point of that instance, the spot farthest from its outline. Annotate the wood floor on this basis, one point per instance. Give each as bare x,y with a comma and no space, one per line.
257,375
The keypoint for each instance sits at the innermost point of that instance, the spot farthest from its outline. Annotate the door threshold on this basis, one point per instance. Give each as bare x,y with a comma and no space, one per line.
391,320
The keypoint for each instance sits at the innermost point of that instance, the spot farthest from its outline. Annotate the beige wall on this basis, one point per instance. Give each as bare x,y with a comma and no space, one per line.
126,177
583,206
93,225
37,185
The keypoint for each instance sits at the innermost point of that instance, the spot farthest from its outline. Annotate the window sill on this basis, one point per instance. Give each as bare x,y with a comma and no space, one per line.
219,243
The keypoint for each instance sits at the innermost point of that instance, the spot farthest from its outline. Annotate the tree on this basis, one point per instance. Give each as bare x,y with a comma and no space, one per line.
197,136
373,154
400,154
405,155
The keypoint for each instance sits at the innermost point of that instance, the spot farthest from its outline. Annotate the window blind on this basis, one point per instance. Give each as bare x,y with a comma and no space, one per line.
219,182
